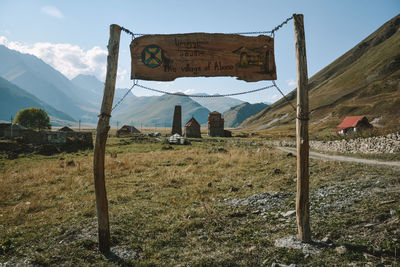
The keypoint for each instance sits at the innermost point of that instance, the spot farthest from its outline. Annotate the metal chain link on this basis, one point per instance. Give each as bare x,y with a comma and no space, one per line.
280,91
280,26
125,95
204,96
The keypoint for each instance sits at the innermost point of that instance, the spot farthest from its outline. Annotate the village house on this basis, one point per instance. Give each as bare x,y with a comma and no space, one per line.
192,129
353,124
127,130
215,124
65,129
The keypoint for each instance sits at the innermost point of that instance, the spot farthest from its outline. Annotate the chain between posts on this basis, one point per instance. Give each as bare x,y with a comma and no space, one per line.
271,32
204,96
135,82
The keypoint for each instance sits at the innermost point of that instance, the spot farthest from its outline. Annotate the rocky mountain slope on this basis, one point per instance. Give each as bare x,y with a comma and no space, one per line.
363,81
236,115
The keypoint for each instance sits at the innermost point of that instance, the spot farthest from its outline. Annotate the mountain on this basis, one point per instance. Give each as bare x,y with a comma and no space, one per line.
47,84
236,115
219,104
158,111
14,99
363,81
92,85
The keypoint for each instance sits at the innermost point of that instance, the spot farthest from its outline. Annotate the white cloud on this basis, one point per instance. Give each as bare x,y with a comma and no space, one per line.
291,82
189,91
274,97
69,59
52,11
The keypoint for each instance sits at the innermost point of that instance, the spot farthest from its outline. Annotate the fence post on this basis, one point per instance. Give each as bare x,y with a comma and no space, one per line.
302,197
101,139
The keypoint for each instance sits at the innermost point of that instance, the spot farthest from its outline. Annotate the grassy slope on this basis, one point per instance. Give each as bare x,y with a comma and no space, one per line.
364,81
168,207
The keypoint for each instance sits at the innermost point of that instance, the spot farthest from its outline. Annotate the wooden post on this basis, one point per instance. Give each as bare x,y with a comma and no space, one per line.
302,198
101,139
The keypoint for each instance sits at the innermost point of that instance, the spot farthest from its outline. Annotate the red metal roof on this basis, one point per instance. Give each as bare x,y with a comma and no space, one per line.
192,123
350,121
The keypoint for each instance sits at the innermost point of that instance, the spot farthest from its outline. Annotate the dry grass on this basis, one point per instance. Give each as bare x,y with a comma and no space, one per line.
166,206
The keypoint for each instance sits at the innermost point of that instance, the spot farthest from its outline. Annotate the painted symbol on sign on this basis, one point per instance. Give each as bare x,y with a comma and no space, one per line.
152,56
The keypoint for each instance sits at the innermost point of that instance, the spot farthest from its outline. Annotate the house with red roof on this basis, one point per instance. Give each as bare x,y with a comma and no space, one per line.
353,124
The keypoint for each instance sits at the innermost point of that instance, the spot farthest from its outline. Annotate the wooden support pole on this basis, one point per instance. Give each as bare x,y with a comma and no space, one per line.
302,198
101,139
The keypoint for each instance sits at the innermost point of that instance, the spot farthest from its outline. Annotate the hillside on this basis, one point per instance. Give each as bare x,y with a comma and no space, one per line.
363,81
49,85
236,115
220,104
151,111
96,87
14,99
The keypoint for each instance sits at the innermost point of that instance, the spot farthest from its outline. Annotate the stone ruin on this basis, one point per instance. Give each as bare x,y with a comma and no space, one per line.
177,121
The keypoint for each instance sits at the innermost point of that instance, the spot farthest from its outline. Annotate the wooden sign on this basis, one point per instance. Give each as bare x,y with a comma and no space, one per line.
167,57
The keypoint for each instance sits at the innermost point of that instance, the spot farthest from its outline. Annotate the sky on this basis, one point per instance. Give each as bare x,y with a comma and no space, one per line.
72,35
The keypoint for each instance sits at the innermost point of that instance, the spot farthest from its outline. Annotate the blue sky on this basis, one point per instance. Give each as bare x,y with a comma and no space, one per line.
72,35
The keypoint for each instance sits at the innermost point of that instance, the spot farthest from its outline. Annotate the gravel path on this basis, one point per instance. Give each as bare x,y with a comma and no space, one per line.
317,155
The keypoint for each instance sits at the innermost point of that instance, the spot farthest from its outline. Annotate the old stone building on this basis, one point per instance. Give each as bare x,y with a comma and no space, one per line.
215,124
127,130
65,129
192,129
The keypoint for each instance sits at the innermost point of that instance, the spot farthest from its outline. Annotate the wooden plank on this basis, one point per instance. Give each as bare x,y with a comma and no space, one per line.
101,139
302,198
167,57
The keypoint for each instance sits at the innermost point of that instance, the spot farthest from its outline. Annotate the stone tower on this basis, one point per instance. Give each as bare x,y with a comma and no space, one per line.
215,124
177,122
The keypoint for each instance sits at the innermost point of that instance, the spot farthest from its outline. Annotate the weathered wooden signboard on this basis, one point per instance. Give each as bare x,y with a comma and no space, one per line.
167,57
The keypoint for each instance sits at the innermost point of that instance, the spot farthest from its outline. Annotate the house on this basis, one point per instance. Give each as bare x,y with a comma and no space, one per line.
9,130
65,129
353,124
192,129
215,124
127,130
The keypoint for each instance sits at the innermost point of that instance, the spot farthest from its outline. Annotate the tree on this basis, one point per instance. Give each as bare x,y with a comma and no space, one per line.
33,118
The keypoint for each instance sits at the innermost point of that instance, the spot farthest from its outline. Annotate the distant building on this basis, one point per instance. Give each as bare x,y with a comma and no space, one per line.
192,129
215,124
227,133
127,130
353,124
65,129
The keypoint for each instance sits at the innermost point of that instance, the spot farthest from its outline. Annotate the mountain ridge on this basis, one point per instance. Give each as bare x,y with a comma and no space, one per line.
363,81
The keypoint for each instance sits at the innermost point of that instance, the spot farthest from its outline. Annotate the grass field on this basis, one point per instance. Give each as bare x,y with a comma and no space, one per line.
190,205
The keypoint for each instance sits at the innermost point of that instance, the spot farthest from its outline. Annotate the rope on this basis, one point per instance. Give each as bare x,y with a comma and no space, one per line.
204,96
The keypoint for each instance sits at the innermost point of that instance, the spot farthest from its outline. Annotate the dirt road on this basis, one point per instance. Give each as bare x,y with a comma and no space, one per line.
317,155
